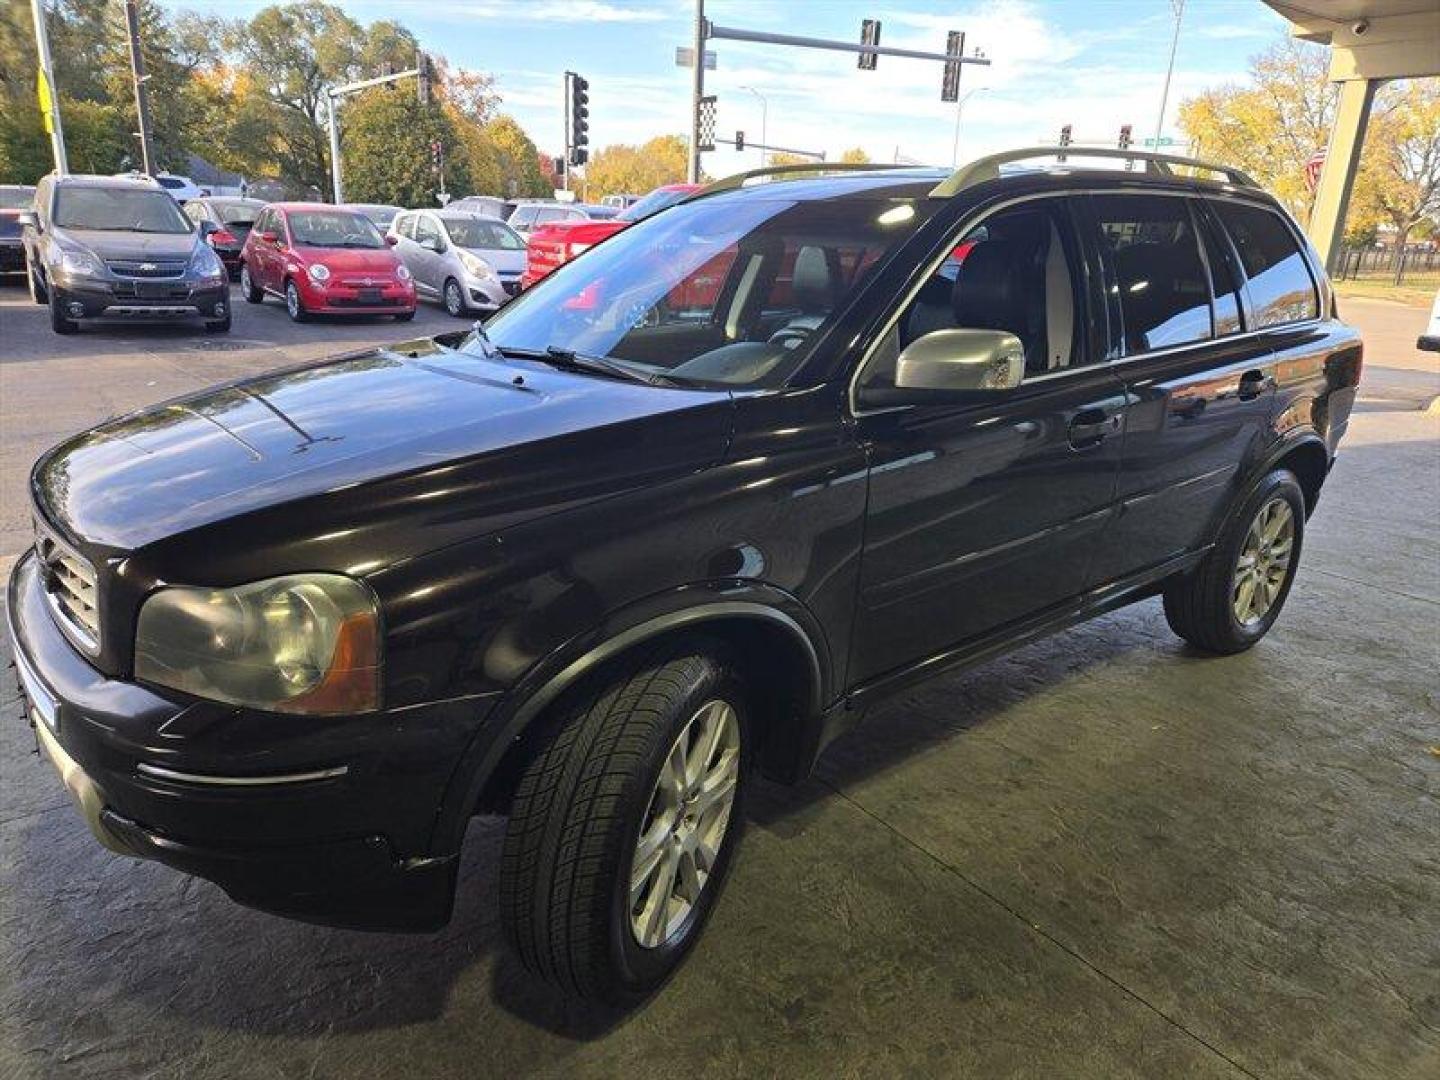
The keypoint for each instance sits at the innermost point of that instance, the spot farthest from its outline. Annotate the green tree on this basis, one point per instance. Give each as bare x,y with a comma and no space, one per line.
387,149
503,160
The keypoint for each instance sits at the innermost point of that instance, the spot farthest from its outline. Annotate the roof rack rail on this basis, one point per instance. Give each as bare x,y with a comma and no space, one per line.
783,172
988,168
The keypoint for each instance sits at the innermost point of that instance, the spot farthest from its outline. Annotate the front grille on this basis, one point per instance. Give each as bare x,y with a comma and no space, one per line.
70,581
151,290
357,301
146,268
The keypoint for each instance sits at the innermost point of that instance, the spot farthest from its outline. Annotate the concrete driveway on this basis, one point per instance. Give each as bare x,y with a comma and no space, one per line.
1104,855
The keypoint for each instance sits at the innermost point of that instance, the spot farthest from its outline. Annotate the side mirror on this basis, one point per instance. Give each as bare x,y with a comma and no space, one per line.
391,239
27,219
207,227
957,361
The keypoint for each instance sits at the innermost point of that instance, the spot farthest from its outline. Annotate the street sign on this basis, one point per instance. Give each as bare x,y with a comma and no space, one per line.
685,57
1164,140
47,105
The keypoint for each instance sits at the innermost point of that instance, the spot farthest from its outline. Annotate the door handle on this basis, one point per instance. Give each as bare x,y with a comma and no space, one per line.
1252,385
1089,427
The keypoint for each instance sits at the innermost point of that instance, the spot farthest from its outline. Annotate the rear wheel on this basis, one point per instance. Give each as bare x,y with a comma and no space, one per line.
454,298
253,293
293,304
623,827
1230,601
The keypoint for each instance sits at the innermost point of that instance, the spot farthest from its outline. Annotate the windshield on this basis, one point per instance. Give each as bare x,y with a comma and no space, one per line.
232,213
494,235
120,209
652,204
724,291
16,198
333,228
380,215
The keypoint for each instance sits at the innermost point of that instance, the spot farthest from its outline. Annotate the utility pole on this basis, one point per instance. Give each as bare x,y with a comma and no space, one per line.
333,99
1179,7
697,91
49,96
142,96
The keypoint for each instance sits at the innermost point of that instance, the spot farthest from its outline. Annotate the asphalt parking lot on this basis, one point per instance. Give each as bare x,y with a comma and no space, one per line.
1104,855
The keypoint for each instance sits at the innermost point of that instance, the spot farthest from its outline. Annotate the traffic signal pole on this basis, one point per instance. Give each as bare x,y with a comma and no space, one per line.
421,72
697,91
142,95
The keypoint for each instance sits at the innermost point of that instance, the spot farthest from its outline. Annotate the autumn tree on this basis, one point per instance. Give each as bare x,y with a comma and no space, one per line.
855,156
633,170
1402,158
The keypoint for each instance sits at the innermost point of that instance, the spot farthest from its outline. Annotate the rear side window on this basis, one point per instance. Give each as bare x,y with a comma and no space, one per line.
1228,318
1280,284
1164,292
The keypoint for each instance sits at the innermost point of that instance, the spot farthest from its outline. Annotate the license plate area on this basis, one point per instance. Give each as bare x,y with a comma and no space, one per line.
152,290
368,296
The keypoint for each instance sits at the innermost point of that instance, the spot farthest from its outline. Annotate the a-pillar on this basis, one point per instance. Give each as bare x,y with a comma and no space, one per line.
1342,162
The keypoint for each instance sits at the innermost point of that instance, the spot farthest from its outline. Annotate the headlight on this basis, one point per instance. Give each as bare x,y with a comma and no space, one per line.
304,643
476,265
318,272
206,263
79,261
576,249
402,272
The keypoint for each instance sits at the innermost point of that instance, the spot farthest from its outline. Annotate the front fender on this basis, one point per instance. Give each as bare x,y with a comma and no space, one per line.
689,607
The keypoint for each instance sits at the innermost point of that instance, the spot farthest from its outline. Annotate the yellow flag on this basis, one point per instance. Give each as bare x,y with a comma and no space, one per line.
42,91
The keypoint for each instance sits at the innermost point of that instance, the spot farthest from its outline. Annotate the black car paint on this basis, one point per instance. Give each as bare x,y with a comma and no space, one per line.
520,525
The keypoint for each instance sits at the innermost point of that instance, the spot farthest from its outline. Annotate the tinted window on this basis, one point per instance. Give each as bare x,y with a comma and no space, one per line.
1164,294
16,198
120,210
1280,284
233,213
170,182
523,217
1225,282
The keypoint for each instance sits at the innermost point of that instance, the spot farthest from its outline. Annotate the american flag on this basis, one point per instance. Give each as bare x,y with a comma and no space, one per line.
1313,167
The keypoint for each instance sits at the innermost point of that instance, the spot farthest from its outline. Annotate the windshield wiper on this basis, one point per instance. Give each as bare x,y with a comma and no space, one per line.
570,360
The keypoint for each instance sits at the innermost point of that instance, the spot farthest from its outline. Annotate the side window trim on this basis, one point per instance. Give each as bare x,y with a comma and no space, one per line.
1210,221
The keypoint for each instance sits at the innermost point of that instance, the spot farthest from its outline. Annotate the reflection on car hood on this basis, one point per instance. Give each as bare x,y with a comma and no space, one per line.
130,245
503,260
494,436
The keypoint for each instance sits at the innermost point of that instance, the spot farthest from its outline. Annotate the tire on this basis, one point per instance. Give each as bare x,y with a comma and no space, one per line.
294,306
577,816
58,322
253,293
405,316
38,292
1212,607
453,298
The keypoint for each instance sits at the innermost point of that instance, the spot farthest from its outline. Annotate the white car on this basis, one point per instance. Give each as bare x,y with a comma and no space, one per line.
182,188
1430,339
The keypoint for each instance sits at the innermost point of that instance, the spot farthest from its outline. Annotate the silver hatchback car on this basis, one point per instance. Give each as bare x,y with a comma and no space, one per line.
470,263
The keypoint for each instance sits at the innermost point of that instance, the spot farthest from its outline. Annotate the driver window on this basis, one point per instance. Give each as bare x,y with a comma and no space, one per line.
1019,272
426,232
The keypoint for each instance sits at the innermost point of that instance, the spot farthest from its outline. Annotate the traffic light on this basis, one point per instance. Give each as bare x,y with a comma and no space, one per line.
424,74
579,95
1065,137
1125,139
437,150
950,84
739,140
869,35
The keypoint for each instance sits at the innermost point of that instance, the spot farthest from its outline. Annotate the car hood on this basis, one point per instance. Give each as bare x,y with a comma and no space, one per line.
114,244
577,232
503,260
353,260
391,436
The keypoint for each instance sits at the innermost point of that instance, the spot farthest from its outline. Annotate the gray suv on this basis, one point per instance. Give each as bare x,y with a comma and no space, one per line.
100,247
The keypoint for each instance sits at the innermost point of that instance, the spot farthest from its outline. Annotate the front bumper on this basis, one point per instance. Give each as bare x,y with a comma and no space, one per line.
82,298
323,820
12,257
336,298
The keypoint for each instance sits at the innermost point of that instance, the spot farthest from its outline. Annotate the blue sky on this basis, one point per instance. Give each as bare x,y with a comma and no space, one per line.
1095,64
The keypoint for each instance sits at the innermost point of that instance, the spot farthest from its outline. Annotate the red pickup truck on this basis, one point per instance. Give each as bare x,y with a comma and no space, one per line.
555,244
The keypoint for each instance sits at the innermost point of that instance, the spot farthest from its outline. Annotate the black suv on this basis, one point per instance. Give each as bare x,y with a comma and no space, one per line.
686,508
105,247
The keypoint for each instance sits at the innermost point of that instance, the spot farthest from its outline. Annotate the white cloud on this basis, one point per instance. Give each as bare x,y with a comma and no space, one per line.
544,11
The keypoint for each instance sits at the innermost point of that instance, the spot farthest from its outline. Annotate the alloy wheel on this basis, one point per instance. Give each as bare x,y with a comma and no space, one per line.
685,823
1264,562
292,300
454,303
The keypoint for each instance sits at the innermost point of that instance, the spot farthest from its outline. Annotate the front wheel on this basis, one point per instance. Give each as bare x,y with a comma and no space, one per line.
623,826
1230,601
58,320
454,298
294,306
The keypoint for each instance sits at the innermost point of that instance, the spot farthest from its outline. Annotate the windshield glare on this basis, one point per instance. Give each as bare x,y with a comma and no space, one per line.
725,291
651,204
120,209
492,235
333,228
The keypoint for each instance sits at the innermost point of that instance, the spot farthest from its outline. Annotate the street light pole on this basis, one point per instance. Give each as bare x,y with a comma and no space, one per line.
764,121
1179,7
697,91
142,96
49,93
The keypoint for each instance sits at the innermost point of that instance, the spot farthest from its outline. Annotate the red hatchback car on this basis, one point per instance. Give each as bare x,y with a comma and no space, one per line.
324,260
